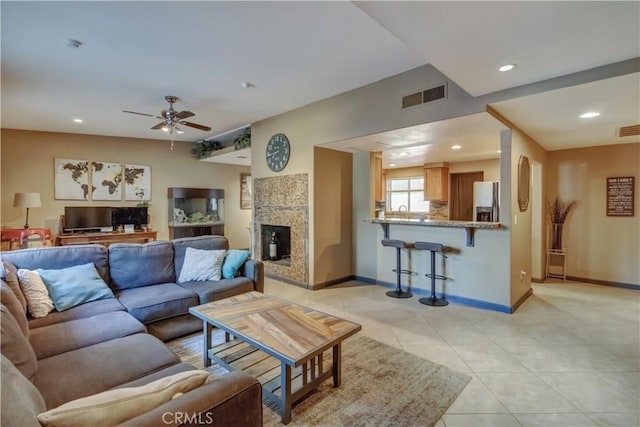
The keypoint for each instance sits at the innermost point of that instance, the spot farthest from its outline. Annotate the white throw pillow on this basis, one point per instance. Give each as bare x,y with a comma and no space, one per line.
200,265
35,292
113,407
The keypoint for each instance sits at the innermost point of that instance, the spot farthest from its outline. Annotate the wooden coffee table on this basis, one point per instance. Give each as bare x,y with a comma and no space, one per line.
276,341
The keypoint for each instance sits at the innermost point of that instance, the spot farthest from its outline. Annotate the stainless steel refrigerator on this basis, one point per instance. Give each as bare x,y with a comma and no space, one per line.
486,201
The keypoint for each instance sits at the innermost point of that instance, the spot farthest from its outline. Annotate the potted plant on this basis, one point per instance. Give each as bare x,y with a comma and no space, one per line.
243,140
558,211
204,148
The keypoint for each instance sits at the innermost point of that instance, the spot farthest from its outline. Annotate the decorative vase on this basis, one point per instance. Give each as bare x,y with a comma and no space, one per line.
556,237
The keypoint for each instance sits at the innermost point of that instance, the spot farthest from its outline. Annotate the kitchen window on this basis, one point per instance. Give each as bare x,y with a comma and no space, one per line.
406,192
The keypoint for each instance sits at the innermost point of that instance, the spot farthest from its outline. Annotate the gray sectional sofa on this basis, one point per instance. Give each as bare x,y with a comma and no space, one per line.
104,345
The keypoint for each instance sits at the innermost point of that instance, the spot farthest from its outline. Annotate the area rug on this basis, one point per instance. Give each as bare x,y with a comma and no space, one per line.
381,386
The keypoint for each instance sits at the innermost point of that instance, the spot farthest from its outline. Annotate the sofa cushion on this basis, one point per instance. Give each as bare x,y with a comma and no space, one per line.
58,338
171,370
10,275
200,265
78,312
133,265
35,291
201,242
233,260
21,401
113,407
212,291
9,299
156,302
51,257
15,345
100,367
72,286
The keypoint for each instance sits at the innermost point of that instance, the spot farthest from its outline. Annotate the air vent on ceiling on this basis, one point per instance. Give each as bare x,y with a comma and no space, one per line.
633,130
429,95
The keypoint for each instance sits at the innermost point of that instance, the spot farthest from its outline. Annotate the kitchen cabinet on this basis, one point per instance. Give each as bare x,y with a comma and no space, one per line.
436,181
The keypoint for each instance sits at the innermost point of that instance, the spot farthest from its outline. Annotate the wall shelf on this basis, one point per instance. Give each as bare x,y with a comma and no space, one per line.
230,156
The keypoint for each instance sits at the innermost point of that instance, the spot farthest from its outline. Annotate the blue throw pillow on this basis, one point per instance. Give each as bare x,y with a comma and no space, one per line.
75,285
233,261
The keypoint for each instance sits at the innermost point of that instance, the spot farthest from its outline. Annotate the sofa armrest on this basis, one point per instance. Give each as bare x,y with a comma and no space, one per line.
254,270
234,399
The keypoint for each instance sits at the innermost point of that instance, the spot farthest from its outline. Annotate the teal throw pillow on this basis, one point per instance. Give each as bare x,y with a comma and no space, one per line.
233,261
75,285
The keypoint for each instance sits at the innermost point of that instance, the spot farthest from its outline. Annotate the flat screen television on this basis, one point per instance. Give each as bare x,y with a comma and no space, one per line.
87,218
123,216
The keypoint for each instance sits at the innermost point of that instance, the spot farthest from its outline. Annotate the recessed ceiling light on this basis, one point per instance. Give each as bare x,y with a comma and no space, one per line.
403,154
589,115
392,164
507,67
78,120
248,85
456,147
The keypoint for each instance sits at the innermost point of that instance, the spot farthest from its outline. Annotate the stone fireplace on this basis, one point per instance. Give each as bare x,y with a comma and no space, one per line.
281,204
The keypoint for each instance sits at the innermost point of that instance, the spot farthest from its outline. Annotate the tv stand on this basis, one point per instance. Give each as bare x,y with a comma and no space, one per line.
106,238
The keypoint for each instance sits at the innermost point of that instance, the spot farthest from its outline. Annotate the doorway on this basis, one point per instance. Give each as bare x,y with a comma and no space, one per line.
461,200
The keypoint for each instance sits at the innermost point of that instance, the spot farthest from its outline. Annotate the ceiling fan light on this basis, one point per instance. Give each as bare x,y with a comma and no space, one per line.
164,129
179,131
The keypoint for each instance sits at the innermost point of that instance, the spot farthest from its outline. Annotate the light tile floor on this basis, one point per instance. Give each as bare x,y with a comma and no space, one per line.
569,357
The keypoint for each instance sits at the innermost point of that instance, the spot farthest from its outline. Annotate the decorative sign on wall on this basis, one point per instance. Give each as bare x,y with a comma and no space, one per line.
620,196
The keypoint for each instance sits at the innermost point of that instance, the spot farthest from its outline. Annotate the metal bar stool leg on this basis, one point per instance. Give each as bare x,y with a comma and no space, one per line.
433,300
398,292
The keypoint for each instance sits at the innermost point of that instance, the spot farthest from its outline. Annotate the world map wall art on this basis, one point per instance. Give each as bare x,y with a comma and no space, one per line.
92,180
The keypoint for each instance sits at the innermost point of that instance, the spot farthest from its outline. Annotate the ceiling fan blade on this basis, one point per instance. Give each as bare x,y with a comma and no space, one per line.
184,114
159,125
195,125
142,114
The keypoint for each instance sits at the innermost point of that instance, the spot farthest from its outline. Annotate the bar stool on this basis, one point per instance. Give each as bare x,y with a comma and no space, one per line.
398,244
433,248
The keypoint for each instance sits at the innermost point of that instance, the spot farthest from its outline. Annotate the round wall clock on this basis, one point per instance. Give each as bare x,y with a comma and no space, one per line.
278,152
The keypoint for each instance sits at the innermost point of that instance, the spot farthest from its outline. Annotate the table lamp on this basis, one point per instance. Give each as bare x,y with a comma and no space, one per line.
26,200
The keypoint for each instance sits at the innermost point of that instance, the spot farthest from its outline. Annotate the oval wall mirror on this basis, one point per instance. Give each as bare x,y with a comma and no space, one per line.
524,182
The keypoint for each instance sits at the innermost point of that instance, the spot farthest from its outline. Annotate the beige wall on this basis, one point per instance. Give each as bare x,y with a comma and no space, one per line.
490,167
28,161
519,222
598,247
332,206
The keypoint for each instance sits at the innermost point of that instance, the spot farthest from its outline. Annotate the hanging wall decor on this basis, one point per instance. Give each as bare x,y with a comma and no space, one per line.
71,179
106,181
137,183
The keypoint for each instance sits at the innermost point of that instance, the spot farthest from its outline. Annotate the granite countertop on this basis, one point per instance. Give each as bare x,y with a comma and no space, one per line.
436,223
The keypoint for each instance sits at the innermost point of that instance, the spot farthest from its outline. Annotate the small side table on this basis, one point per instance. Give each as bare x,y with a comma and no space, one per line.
557,263
21,235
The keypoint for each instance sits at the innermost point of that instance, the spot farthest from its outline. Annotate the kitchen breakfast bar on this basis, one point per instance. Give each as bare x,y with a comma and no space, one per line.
469,226
469,259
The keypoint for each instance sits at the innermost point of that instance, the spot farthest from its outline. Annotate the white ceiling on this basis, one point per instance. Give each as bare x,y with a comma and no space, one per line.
135,53
477,134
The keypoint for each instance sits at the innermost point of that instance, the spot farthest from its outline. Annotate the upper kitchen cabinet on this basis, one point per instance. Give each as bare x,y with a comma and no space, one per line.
436,181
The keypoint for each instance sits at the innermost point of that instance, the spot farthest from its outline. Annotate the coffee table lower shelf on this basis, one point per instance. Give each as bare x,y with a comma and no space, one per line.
282,384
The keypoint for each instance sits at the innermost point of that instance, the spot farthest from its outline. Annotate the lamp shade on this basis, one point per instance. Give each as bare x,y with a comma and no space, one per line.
27,200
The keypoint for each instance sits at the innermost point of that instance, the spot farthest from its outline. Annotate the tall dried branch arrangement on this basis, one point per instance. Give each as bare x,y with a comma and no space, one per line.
559,209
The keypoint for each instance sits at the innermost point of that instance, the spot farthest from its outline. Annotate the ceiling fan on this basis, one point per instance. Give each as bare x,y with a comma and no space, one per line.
171,119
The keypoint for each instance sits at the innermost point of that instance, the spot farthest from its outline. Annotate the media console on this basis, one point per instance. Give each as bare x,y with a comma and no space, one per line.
106,238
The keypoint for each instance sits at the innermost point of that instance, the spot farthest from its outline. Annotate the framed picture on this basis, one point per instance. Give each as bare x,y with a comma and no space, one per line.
245,191
71,180
106,181
137,183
